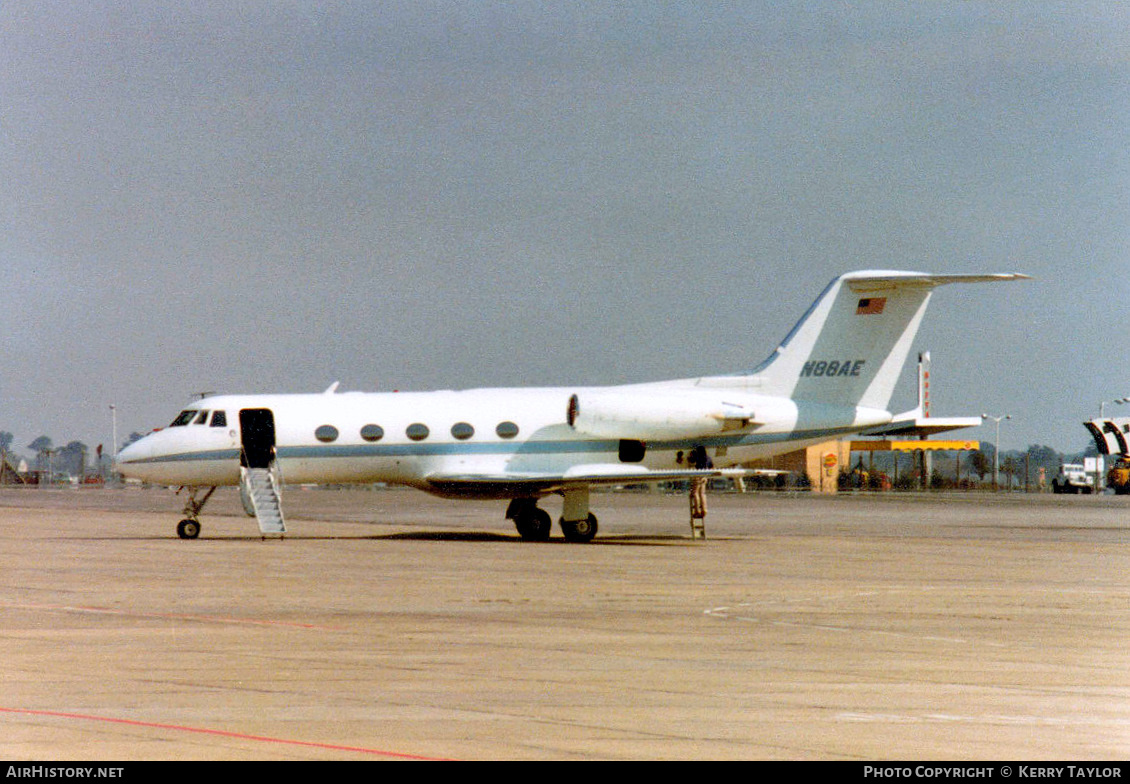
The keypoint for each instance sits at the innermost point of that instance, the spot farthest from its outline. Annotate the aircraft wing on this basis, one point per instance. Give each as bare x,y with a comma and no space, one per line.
510,485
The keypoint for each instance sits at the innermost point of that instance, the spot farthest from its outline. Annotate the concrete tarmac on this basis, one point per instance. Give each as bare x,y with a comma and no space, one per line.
392,625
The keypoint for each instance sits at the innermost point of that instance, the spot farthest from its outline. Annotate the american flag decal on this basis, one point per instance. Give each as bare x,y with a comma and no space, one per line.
869,306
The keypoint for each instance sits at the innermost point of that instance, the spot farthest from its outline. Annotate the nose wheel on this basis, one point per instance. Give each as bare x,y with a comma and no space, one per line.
189,527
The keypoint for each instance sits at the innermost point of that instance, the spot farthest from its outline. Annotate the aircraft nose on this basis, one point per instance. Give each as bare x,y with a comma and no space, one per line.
134,453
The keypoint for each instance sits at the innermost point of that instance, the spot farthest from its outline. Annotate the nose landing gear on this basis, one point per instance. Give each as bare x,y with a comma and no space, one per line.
189,527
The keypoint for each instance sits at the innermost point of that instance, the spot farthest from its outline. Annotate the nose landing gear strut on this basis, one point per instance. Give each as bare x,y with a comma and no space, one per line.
189,527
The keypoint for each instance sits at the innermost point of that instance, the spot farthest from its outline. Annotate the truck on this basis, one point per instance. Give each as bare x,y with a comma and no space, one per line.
1118,477
1073,478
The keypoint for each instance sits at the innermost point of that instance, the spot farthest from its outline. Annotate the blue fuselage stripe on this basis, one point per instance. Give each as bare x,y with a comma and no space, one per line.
577,446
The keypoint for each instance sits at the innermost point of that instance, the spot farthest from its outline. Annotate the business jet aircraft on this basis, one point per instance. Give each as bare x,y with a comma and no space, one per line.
833,375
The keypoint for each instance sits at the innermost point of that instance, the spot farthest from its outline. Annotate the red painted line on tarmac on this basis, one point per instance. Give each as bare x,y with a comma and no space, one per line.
166,616
221,733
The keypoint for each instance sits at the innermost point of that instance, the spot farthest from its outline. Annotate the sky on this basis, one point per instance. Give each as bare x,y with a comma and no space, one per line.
273,196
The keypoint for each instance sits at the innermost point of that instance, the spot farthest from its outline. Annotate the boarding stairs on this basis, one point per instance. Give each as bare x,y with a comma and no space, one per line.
698,528
260,487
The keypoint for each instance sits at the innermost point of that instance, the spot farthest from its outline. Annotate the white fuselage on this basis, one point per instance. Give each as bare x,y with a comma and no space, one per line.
407,437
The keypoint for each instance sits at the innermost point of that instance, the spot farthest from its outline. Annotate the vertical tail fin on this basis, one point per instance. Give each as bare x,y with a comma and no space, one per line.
850,347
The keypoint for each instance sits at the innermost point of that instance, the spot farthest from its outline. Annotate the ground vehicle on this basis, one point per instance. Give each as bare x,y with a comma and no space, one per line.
1118,478
1073,478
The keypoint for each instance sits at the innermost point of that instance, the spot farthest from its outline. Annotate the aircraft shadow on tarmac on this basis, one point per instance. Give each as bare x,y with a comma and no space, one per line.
630,540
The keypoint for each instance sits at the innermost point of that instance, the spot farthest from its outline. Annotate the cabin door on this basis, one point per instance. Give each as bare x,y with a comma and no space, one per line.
257,436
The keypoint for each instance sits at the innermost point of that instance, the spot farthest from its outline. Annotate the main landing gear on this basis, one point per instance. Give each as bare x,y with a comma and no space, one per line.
189,527
534,524
579,530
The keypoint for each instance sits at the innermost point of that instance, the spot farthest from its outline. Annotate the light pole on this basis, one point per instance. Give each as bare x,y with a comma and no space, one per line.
114,443
1118,400
996,445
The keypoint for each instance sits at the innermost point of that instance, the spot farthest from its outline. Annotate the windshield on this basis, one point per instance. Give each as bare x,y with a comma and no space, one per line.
184,417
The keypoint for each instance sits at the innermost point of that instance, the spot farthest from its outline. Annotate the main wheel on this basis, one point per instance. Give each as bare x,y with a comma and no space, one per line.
581,531
534,525
188,529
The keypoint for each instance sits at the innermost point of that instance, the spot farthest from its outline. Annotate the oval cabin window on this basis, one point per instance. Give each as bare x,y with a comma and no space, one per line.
326,434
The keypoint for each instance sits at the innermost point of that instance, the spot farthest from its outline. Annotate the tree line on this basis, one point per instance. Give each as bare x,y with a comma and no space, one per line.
1028,468
75,460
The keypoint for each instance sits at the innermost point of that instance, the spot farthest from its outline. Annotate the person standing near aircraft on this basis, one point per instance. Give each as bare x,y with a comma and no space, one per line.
700,461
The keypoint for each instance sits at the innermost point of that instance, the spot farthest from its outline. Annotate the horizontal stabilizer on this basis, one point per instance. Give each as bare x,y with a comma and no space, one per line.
916,427
877,281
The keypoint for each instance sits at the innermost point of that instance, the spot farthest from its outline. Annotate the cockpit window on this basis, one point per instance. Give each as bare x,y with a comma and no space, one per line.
203,418
184,417
219,419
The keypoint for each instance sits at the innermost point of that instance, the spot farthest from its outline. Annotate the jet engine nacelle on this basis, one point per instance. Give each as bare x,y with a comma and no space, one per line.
650,415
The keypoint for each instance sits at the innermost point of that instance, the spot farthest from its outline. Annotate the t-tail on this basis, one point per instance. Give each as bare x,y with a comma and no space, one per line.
850,347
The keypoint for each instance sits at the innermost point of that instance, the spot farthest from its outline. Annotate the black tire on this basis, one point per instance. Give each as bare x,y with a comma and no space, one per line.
580,531
188,529
534,525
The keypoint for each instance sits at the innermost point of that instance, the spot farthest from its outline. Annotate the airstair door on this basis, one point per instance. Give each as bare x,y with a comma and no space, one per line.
257,436
259,472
